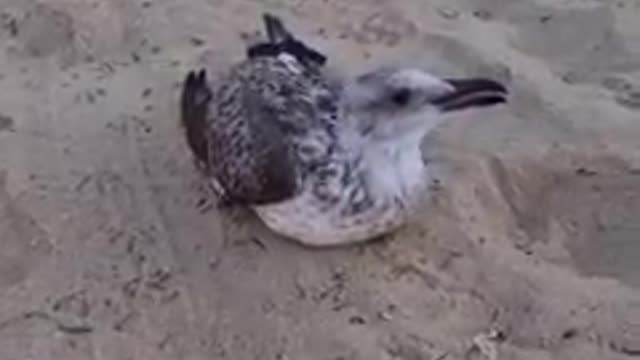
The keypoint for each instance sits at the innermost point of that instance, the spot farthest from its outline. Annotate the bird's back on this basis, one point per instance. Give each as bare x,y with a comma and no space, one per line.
293,99
268,122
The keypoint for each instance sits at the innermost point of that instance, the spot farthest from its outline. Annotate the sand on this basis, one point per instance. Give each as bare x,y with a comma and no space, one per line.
110,250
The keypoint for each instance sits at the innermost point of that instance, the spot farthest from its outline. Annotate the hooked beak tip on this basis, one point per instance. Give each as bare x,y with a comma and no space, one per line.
468,93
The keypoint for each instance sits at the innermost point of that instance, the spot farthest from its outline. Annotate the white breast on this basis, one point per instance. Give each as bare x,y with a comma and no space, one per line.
396,168
397,178
302,220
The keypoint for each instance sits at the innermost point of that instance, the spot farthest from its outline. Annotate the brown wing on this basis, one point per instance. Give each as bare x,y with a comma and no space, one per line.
194,107
239,139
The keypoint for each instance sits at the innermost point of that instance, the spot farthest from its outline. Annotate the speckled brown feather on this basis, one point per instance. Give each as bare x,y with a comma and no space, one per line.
262,126
249,154
250,135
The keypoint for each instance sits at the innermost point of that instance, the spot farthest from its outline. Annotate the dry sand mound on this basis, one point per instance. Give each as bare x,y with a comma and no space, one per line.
108,249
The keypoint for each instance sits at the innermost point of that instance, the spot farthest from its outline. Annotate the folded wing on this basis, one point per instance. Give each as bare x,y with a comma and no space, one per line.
240,144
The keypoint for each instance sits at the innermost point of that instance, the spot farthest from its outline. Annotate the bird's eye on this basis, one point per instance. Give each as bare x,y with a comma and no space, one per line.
401,97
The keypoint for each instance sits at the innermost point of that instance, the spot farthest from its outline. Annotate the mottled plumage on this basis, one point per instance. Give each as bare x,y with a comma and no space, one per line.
322,164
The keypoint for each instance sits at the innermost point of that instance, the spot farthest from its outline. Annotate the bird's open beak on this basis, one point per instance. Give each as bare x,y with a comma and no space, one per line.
469,93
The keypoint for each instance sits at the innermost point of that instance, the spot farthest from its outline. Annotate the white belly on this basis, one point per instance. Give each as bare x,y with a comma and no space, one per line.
396,190
396,180
301,219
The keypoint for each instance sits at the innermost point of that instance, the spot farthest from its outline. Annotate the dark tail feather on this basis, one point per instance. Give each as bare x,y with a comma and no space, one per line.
276,31
194,110
280,40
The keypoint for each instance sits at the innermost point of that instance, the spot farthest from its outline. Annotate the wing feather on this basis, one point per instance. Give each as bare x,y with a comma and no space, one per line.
254,159
240,142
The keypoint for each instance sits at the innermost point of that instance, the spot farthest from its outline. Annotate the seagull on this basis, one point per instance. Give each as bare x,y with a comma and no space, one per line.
321,162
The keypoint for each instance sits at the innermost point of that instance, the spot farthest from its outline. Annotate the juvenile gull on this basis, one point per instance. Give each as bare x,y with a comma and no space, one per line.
322,164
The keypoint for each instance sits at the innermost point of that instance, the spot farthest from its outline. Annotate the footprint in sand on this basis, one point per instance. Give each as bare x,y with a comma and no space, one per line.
44,31
627,94
25,245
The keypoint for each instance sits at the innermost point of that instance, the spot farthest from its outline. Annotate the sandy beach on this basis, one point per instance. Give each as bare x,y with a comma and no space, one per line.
110,248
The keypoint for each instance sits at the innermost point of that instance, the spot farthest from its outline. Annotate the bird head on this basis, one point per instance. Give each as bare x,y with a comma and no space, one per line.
391,102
